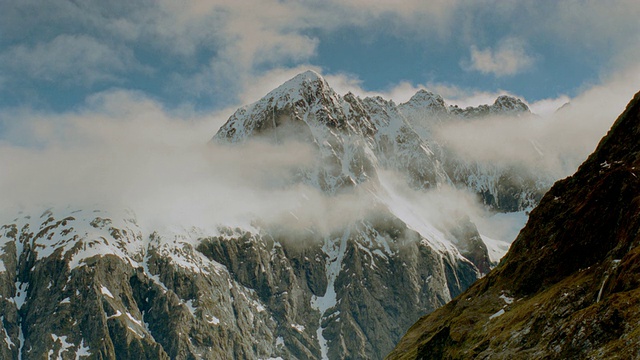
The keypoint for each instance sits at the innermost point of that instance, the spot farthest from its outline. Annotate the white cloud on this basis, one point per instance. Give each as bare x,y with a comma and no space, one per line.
508,58
554,144
549,106
124,150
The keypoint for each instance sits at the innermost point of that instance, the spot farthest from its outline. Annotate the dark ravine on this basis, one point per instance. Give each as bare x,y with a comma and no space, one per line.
569,287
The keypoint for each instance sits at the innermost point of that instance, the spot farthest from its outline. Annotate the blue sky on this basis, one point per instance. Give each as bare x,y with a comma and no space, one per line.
208,55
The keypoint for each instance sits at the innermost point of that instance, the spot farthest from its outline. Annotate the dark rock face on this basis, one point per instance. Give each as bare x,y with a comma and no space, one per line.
569,287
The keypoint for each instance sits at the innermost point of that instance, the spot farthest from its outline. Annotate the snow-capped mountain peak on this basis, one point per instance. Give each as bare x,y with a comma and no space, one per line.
504,105
308,83
355,136
509,104
427,100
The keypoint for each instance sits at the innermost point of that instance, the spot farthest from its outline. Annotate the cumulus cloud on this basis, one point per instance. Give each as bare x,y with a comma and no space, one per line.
508,58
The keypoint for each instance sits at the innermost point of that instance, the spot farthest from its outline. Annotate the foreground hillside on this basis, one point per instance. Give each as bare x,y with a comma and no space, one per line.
569,288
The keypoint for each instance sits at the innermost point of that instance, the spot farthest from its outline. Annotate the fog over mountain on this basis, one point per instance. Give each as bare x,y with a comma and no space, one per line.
125,149
276,179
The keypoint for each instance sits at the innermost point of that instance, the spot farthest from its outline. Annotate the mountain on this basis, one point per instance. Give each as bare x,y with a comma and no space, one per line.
103,284
356,136
569,287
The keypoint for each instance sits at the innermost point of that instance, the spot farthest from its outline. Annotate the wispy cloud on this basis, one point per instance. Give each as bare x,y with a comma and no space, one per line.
70,59
508,58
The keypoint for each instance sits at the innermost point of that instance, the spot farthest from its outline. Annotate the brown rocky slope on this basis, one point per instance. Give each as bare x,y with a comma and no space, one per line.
569,288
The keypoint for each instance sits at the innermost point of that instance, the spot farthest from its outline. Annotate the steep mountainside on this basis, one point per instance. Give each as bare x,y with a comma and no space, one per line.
569,287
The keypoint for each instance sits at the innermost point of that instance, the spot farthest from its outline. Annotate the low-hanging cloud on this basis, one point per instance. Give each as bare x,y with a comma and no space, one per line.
554,144
124,151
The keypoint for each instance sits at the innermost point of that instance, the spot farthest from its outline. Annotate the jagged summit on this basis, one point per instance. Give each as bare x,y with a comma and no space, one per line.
309,74
504,105
307,86
508,103
306,81
309,91
427,99
358,135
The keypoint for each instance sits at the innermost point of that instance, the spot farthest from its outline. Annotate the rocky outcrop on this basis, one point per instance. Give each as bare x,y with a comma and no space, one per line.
569,286
504,105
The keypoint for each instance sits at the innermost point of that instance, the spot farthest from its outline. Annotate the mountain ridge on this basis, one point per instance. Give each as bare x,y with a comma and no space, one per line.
356,135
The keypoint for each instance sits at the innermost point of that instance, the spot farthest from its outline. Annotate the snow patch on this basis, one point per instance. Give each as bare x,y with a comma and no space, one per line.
117,314
190,307
212,319
298,327
105,291
506,299
65,346
335,252
499,313
21,294
136,321
496,248
83,350
7,339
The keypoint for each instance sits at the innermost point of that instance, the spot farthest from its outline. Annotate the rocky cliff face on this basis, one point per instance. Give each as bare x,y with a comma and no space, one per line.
85,283
569,286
